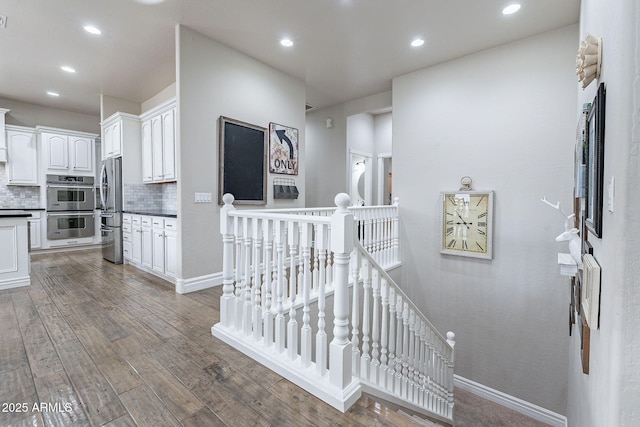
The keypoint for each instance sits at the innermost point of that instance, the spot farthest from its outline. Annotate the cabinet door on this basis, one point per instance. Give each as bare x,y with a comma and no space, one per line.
158,250
34,233
113,140
22,162
147,247
169,145
136,245
56,151
147,152
156,142
170,253
81,153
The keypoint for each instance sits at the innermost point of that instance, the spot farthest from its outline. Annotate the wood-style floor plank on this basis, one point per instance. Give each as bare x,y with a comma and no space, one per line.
114,346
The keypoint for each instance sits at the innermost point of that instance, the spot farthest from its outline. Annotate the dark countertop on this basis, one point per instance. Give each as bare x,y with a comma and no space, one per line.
166,214
4,213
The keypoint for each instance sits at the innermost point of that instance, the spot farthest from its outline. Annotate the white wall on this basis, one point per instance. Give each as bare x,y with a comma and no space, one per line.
31,115
506,117
326,161
212,81
610,394
327,148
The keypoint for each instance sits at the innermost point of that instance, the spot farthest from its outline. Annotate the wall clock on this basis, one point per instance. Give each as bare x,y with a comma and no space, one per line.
467,223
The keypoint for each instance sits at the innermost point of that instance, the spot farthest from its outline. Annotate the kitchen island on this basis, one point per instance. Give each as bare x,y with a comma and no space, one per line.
14,249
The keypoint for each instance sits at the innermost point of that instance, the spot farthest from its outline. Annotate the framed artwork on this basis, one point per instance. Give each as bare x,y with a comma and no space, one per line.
242,162
595,163
466,224
283,149
580,155
590,298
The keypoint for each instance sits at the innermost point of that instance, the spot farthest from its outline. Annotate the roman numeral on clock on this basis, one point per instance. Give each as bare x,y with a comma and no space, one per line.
452,243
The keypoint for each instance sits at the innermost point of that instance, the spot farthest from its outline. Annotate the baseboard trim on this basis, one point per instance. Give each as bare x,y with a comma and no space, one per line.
15,282
185,286
511,402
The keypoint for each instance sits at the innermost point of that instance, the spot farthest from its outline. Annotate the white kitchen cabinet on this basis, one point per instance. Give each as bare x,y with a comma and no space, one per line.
35,236
158,244
151,243
147,152
67,152
3,135
147,242
22,156
159,143
171,248
127,249
136,240
118,130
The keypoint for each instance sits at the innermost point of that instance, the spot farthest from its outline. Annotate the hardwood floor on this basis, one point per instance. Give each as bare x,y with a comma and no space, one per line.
92,343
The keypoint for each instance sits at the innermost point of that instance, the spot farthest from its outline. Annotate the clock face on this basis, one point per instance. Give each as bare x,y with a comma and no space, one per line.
467,223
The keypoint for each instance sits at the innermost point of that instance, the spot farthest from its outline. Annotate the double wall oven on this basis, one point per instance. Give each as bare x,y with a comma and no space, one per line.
70,207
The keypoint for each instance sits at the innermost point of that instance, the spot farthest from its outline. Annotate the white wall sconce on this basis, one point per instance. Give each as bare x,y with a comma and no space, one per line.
589,60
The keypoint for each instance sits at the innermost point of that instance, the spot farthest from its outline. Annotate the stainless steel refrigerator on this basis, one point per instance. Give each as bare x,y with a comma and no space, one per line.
111,209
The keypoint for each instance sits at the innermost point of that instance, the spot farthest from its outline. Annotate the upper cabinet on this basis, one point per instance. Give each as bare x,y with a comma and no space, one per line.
116,129
67,152
159,143
22,155
3,136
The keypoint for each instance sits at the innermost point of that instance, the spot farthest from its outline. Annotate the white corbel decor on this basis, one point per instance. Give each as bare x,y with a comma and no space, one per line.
589,60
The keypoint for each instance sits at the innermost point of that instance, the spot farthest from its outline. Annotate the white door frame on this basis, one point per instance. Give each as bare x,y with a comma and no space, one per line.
354,155
380,171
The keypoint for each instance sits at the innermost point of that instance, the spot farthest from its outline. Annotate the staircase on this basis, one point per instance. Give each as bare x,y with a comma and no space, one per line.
288,275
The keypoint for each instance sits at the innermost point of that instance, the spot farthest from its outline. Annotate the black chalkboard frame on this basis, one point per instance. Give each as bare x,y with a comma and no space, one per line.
253,151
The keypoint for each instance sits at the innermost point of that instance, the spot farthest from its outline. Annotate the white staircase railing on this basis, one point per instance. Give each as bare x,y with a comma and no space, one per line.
399,355
282,268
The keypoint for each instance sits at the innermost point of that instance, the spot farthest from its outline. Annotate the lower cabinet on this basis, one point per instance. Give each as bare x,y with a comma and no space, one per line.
150,243
35,236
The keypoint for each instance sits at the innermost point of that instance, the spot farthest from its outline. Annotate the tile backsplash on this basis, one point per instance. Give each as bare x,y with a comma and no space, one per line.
17,196
150,197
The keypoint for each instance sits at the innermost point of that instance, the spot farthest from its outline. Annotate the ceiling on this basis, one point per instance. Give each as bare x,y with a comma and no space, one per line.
344,49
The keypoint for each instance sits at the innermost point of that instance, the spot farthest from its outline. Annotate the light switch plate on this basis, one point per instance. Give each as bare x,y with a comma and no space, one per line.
610,192
203,198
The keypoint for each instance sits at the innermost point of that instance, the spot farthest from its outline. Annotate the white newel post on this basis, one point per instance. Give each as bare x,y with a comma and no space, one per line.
342,234
451,339
226,229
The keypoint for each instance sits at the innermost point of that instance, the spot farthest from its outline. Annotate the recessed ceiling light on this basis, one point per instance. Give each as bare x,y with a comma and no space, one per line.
92,30
417,42
286,42
68,69
511,9
52,93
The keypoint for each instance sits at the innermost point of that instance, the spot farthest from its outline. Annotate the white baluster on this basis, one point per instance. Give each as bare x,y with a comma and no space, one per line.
355,310
226,229
267,229
375,330
384,333
365,358
316,261
247,309
392,339
412,349
306,332
239,270
321,335
421,363
396,232
397,383
340,354
257,280
405,350
292,327
280,283
452,342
